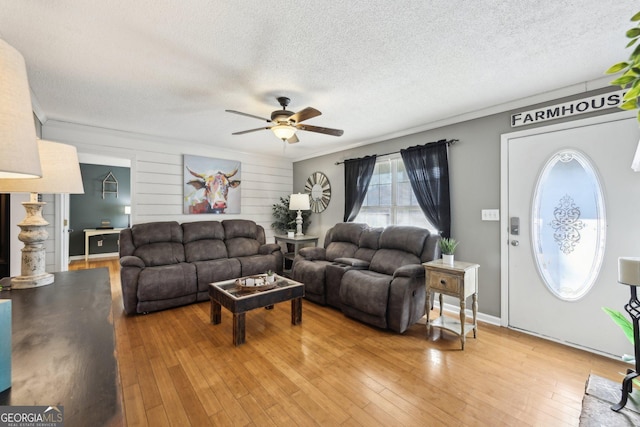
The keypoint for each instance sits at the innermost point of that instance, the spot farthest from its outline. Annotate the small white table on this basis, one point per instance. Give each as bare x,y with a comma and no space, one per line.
88,232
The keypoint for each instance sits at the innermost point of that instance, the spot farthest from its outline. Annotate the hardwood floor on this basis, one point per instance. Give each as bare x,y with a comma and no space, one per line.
177,369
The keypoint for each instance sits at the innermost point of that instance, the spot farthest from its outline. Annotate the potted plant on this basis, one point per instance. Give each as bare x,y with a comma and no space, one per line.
285,219
630,69
271,276
448,248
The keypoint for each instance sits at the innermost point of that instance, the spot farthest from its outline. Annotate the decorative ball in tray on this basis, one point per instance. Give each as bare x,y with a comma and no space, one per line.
259,282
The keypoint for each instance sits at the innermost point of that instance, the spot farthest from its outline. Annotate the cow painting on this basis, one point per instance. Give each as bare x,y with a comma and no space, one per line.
210,189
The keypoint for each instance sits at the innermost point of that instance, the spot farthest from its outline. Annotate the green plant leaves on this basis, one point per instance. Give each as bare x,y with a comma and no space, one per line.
617,67
630,69
620,320
634,32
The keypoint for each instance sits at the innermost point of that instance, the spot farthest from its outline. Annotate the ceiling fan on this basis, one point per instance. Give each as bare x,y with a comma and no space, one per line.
285,123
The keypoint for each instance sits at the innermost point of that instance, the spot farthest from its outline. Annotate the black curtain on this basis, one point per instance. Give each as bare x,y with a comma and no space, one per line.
357,175
428,170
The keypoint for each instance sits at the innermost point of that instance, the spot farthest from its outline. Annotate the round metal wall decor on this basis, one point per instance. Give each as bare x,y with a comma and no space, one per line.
319,190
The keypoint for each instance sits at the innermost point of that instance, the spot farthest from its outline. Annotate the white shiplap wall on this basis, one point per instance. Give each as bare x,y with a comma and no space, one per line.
157,172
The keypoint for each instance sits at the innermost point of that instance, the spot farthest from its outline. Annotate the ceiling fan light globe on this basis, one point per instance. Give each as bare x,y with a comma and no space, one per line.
283,132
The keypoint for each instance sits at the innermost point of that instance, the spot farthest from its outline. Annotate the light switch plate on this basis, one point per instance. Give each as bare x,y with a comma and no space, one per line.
491,214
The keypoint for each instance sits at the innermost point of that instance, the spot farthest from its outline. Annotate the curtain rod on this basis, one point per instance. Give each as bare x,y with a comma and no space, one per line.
449,142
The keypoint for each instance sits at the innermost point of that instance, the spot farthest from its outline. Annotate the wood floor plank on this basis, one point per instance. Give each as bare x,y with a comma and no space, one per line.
146,379
177,369
188,396
157,417
176,413
134,407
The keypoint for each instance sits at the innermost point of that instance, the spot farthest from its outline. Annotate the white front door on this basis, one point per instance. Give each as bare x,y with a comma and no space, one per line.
572,208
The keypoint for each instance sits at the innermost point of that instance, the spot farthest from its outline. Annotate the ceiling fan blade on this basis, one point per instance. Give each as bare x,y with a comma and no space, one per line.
248,115
242,132
328,131
306,114
293,139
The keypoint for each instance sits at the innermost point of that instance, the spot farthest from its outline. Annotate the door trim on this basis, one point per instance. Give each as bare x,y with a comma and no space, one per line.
504,191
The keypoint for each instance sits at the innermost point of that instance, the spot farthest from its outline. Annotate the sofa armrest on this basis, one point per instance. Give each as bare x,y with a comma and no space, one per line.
131,261
409,270
269,248
311,253
353,262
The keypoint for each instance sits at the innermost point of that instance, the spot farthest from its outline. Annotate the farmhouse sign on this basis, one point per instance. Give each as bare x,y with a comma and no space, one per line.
567,109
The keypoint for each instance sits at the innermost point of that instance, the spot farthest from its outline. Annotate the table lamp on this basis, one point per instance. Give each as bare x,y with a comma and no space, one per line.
127,212
299,202
60,174
18,146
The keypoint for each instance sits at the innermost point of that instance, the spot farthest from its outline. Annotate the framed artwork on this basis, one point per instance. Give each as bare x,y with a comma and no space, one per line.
211,185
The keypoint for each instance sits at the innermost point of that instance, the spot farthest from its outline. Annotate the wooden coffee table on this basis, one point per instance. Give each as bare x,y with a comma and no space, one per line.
238,301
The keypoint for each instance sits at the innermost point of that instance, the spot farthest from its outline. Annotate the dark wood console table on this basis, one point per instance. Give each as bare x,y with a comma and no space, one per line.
63,349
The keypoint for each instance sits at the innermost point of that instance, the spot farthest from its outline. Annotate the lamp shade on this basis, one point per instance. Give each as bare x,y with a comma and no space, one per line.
283,131
60,172
635,163
629,271
127,210
299,202
18,146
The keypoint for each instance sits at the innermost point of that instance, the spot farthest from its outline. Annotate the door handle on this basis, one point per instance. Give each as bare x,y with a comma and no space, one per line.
515,243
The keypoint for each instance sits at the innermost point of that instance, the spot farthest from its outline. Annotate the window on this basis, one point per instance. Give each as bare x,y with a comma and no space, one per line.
390,199
569,224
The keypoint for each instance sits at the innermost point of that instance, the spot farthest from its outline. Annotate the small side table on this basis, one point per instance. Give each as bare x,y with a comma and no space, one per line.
459,280
88,232
296,241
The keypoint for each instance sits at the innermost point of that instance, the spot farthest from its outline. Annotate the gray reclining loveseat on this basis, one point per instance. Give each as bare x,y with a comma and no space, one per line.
374,275
166,264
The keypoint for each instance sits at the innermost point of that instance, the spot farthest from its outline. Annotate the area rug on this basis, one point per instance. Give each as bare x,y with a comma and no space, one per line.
600,394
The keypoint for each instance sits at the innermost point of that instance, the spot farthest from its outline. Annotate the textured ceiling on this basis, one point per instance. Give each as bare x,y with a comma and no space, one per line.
170,68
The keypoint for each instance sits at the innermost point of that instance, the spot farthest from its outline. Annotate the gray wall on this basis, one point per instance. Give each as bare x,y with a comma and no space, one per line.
475,185
87,210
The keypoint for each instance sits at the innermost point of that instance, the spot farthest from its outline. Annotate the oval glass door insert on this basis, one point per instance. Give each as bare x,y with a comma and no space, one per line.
568,224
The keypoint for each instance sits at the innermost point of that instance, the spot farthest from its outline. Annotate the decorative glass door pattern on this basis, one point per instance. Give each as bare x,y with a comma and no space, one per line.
568,224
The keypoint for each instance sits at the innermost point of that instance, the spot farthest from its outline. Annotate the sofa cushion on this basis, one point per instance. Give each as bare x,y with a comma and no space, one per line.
158,243
203,240
399,245
386,261
258,264
337,250
312,274
369,243
242,246
367,292
216,270
155,232
404,238
347,232
242,237
243,228
166,282
201,230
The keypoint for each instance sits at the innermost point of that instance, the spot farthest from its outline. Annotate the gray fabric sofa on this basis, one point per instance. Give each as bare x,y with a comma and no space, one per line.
374,275
167,264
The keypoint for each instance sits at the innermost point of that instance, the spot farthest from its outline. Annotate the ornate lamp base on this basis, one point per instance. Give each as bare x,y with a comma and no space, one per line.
33,234
299,224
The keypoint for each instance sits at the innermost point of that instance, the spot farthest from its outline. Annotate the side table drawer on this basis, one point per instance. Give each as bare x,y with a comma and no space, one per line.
444,282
